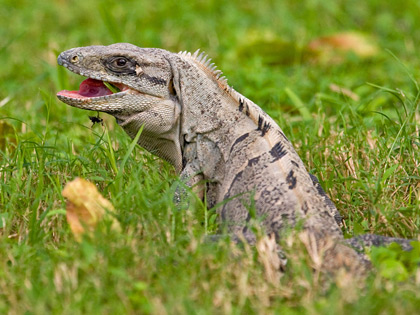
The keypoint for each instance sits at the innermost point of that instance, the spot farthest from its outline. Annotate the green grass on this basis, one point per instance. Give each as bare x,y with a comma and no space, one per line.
365,151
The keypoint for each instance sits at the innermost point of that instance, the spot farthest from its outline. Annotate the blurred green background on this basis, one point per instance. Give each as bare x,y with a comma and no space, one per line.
260,46
32,33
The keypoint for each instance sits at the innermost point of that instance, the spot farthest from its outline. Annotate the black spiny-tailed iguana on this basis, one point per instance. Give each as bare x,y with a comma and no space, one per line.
208,131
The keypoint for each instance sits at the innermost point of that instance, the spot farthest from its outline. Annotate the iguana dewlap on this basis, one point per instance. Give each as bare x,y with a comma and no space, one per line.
209,132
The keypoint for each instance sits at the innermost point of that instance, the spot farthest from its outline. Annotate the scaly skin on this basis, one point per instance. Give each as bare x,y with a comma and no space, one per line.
210,132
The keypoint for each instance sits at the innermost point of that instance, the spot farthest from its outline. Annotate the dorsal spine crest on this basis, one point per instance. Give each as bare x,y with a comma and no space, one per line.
204,60
246,106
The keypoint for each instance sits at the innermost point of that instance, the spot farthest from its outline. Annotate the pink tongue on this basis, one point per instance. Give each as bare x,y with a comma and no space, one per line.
93,88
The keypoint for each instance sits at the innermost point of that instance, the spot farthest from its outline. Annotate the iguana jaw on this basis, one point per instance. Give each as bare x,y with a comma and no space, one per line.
93,90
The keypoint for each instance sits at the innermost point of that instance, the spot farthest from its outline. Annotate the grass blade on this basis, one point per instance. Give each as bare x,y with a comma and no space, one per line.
298,104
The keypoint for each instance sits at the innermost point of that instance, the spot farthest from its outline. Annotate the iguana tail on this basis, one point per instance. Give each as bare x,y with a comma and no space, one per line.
368,240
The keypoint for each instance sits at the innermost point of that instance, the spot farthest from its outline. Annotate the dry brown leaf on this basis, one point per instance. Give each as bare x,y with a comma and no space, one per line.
268,254
330,255
331,48
344,91
86,207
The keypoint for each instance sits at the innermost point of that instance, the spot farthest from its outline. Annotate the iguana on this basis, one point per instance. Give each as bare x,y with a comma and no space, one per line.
194,120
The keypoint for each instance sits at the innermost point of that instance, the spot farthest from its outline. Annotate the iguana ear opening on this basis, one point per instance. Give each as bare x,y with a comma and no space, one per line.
171,87
174,85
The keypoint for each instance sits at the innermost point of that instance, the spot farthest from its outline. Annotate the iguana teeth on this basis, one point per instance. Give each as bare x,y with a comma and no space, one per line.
214,135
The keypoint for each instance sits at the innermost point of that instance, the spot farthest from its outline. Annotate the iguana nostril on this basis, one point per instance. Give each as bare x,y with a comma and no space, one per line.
75,59
60,60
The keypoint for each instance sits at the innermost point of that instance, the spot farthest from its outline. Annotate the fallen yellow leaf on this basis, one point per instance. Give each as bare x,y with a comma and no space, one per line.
333,48
86,207
344,91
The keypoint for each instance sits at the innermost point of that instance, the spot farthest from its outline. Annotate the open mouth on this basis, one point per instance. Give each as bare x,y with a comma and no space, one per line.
91,88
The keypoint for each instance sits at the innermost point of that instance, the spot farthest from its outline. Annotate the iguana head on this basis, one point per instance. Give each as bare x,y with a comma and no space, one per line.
128,70
133,84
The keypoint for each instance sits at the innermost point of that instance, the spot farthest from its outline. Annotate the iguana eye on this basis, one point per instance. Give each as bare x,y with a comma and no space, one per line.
120,62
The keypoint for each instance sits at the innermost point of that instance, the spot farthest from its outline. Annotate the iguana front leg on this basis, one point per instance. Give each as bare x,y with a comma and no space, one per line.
191,176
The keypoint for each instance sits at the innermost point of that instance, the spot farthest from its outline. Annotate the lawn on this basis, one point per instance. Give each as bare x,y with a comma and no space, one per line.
352,114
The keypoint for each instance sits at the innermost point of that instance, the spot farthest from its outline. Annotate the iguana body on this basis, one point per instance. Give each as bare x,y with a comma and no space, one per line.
209,132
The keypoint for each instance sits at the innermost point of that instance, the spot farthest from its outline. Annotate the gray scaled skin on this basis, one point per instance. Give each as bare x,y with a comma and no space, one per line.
211,133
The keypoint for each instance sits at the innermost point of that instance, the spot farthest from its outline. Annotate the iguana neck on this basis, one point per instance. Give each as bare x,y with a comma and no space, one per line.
223,114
